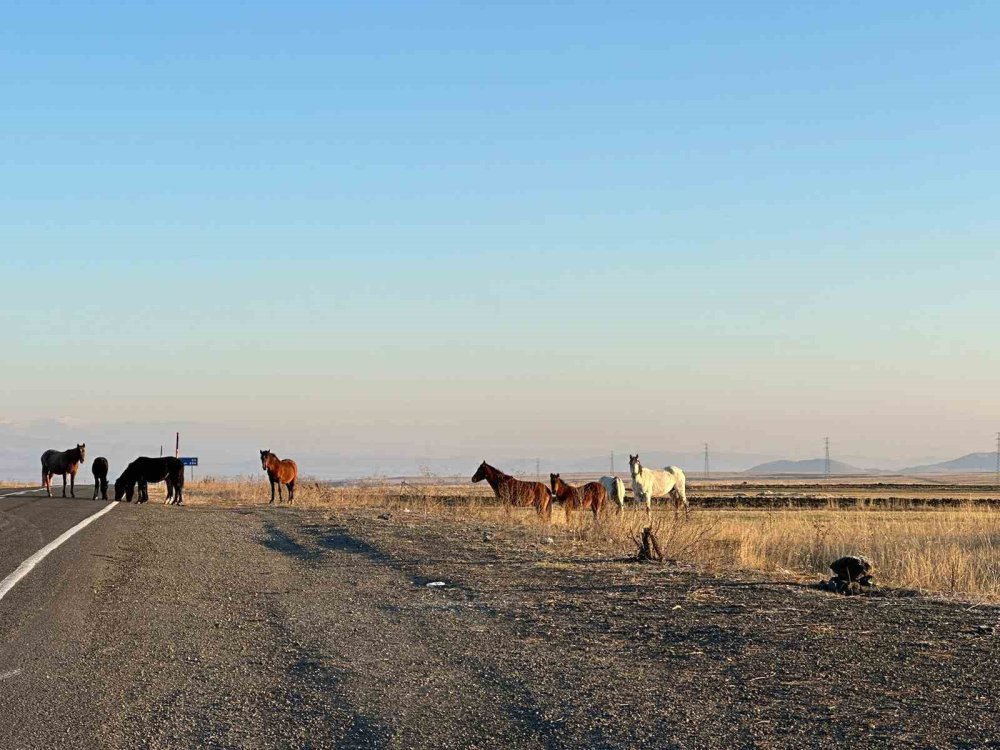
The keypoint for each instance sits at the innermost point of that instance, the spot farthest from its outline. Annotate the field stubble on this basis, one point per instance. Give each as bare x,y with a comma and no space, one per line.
951,548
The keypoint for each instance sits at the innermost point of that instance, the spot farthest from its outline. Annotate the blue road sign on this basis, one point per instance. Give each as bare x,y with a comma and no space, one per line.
189,460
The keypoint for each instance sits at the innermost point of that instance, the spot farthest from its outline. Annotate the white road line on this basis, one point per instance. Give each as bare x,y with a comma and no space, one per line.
26,567
21,492
11,673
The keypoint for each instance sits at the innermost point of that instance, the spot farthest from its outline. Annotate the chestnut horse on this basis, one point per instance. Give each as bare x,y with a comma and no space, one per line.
515,492
62,462
280,472
100,471
592,495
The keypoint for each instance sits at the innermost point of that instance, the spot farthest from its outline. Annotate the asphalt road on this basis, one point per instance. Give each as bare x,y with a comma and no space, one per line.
202,627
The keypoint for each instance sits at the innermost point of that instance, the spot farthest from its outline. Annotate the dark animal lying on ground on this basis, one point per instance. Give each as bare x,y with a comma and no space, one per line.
851,568
144,470
63,463
100,470
852,575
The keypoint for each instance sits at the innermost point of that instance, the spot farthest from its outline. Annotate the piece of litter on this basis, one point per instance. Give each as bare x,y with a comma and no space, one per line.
435,584
676,606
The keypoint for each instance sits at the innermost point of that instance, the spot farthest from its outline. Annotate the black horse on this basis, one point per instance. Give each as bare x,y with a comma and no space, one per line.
144,470
100,470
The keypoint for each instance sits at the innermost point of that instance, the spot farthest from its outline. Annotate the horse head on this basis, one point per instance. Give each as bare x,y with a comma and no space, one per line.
633,464
123,489
480,474
82,447
263,459
555,481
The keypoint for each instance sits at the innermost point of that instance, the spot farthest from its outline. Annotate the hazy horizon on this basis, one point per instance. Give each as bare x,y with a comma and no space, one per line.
449,231
228,451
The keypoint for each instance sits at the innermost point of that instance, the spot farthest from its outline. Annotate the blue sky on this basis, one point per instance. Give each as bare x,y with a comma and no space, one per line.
526,228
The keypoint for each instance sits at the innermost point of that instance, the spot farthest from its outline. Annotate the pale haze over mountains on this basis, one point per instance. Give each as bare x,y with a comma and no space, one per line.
229,451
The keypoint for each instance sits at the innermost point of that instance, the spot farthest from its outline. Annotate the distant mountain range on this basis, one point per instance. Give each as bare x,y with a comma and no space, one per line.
807,466
226,451
969,463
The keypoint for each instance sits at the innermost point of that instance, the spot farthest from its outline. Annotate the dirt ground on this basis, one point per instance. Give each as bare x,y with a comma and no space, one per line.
273,627
616,654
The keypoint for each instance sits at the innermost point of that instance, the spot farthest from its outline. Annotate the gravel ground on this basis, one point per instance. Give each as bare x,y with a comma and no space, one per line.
275,628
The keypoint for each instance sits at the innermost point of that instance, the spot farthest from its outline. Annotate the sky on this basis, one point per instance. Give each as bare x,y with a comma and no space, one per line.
513,229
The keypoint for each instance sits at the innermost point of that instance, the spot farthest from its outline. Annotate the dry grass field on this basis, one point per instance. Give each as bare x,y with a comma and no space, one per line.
926,534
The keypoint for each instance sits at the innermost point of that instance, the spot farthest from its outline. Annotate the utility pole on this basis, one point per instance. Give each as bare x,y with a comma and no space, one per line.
997,478
612,463
538,469
706,461
826,462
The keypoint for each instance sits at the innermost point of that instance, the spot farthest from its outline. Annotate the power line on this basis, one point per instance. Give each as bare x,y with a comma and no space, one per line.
826,461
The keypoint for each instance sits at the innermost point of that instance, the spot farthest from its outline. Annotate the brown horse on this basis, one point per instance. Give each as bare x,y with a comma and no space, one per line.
592,495
514,492
62,462
280,472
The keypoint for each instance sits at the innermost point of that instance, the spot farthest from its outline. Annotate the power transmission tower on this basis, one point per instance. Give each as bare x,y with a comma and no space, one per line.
997,478
706,461
538,469
612,463
826,462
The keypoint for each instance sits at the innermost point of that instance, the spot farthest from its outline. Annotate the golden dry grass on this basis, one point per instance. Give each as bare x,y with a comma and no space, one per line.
951,549
947,550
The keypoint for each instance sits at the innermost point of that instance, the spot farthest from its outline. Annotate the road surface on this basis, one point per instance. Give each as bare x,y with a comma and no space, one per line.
160,627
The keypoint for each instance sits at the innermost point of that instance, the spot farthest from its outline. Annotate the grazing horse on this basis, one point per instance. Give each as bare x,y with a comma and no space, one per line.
615,488
100,471
515,492
62,462
591,495
280,472
650,483
144,470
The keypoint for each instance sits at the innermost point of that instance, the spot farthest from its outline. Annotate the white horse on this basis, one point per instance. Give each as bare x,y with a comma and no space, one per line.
616,490
650,483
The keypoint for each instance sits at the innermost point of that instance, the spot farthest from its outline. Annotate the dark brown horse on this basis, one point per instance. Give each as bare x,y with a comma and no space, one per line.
62,462
592,495
515,492
280,472
100,471
144,470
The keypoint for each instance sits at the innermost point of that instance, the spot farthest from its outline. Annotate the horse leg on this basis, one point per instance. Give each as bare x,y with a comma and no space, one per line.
45,483
97,487
291,491
72,484
280,500
272,493
64,485
104,489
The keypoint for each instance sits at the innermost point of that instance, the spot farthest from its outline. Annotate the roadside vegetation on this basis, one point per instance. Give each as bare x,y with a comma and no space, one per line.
949,549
